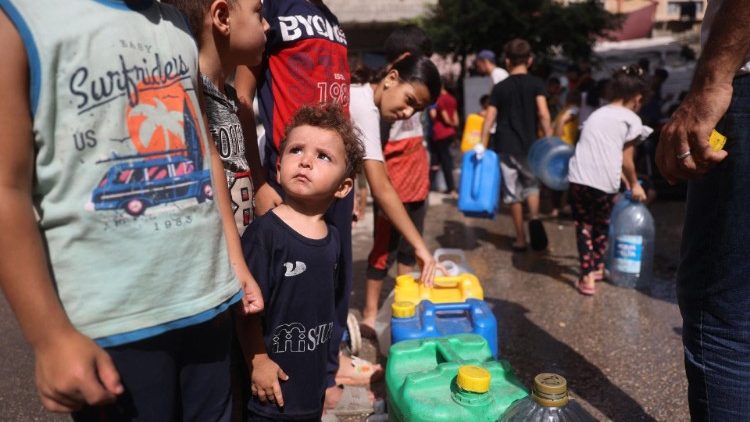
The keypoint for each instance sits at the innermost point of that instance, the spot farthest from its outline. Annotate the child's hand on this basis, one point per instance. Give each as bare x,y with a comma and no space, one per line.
265,380
72,371
638,194
428,265
252,298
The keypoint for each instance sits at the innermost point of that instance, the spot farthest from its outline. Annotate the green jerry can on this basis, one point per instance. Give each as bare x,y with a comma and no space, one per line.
451,378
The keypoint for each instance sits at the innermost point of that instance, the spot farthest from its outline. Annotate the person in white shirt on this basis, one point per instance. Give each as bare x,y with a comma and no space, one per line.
603,154
486,62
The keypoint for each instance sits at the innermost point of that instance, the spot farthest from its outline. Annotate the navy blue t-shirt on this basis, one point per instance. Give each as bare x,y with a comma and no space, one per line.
297,276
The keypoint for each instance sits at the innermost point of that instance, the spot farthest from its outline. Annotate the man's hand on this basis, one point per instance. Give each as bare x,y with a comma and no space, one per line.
252,297
266,198
689,130
72,371
265,380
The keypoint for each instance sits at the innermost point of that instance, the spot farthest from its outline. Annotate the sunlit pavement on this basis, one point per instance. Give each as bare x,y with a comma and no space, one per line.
620,350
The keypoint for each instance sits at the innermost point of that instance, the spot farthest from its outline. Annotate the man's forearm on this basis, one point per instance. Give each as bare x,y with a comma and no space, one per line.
727,46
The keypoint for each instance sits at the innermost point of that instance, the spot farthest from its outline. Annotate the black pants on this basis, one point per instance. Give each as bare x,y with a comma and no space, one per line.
442,150
181,375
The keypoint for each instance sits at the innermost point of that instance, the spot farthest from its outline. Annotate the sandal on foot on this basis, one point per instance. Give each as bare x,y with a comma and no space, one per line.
519,248
364,372
585,289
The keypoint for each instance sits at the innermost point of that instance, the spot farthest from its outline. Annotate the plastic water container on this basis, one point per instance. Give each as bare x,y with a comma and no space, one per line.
446,289
472,132
479,189
452,378
548,160
428,320
548,402
454,260
631,245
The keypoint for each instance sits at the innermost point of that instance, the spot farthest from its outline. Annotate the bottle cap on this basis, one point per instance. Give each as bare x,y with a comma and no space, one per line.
550,390
403,309
473,379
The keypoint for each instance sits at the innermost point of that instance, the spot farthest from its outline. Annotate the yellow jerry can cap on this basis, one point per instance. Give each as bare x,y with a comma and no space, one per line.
403,309
474,379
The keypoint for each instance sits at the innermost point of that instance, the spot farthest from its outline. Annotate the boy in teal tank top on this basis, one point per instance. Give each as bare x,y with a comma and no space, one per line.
122,282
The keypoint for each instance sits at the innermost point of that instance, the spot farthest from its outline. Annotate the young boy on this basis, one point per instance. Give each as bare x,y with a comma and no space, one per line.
295,256
103,136
229,33
520,102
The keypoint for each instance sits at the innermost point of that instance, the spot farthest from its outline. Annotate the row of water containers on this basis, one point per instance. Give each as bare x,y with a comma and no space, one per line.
443,364
631,230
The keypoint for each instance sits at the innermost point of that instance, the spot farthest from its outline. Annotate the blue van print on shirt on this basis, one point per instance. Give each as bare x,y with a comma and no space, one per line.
135,186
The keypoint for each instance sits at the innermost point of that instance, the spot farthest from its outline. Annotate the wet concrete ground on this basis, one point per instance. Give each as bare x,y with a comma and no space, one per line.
620,350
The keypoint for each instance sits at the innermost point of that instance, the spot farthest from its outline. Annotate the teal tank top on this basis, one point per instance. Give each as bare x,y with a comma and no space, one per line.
123,184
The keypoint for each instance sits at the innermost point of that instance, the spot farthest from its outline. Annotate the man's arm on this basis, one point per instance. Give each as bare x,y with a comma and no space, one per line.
708,98
245,83
71,370
489,120
543,114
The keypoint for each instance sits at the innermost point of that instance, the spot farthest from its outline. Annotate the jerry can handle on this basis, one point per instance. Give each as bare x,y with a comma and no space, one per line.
475,181
446,282
441,252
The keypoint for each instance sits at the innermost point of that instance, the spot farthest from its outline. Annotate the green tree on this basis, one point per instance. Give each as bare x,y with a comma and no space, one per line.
460,26
467,26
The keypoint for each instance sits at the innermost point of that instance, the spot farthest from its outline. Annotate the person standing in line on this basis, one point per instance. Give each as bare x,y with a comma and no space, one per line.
123,281
713,279
604,154
295,255
444,125
303,64
399,180
521,105
486,62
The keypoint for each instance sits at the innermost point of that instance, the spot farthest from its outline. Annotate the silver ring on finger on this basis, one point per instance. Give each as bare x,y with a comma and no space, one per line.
683,155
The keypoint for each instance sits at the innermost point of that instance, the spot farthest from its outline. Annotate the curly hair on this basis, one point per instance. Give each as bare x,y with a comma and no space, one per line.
330,116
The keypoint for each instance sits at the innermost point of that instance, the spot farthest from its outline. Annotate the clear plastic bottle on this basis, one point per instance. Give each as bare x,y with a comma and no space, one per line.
631,245
548,402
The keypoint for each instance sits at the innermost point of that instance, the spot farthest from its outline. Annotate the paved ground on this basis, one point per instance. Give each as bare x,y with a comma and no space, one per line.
619,350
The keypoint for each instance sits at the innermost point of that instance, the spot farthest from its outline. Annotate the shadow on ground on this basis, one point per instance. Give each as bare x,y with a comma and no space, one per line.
532,351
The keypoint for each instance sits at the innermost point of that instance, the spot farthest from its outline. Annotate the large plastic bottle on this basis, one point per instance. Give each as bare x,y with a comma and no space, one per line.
548,160
548,402
631,245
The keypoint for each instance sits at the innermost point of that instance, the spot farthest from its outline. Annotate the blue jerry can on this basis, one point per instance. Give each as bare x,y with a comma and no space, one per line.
428,320
480,183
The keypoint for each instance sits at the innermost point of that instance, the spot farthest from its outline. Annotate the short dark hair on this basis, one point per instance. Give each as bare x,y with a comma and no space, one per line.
628,82
195,11
518,51
407,39
330,116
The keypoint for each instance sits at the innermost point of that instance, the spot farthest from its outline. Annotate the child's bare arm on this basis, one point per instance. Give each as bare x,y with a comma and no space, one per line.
265,373
543,115
252,300
628,171
489,120
387,198
71,370
245,82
